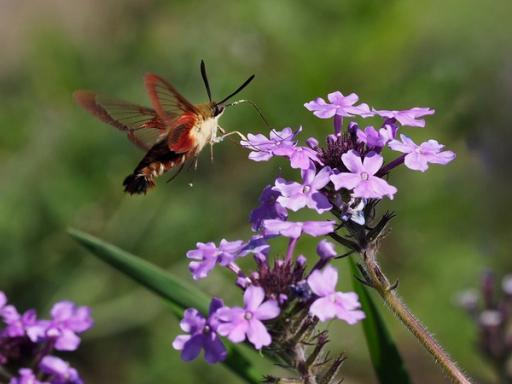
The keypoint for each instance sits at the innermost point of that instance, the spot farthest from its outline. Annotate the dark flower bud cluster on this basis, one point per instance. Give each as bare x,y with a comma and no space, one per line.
490,307
28,344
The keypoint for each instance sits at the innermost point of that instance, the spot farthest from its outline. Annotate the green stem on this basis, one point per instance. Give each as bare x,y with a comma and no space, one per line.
388,292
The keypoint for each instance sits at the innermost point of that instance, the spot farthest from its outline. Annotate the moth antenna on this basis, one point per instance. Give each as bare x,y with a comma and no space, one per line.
246,82
205,80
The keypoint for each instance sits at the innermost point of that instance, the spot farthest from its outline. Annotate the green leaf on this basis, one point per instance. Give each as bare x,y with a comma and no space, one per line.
178,293
386,359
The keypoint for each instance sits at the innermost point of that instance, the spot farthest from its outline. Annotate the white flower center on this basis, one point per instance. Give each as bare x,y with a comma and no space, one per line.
365,176
206,329
248,315
307,188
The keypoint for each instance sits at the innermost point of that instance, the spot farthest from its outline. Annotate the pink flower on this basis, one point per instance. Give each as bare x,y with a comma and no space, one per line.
338,105
361,177
418,156
331,304
409,117
241,323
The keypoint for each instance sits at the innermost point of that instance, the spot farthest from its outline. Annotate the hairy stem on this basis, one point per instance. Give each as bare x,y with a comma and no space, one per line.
388,292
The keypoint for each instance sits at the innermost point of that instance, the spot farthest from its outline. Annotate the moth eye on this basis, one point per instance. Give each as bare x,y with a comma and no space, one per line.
217,110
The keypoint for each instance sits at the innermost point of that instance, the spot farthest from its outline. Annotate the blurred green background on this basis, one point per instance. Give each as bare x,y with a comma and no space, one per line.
60,167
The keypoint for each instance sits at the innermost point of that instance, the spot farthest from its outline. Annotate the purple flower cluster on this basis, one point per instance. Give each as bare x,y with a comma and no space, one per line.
29,342
346,177
491,311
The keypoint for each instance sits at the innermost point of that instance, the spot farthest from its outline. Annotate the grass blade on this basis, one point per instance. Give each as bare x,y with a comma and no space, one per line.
178,293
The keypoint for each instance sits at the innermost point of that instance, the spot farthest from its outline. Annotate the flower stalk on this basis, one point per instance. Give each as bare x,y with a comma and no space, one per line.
378,281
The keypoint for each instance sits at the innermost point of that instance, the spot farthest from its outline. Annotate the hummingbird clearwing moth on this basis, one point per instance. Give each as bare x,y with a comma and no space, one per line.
172,132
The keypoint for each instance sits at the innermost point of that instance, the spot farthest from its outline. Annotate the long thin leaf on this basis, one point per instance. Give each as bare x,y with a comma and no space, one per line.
386,359
178,293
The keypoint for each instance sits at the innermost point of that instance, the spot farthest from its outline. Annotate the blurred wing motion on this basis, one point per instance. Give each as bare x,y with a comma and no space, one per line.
166,100
165,132
179,115
142,125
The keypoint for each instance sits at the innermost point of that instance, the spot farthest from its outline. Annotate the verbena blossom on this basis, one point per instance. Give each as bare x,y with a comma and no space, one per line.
331,304
338,105
419,156
240,323
375,139
207,255
67,322
27,341
361,178
263,148
344,175
202,335
410,117
280,143
59,371
269,208
296,229
26,376
326,249
295,195
489,308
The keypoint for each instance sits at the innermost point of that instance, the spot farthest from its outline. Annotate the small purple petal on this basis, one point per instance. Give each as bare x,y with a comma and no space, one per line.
326,249
323,283
258,334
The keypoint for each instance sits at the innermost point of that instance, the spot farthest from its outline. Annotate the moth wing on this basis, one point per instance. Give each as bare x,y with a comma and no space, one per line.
142,125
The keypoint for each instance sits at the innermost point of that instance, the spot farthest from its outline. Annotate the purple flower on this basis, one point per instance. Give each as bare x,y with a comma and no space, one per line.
295,229
409,117
9,314
60,371
373,138
202,334
326,249
361,176
17,325
207,255
418,156
262,149
257,246
338,105
296,196
26,376
331,304
269,208
67,322
241,323
300,157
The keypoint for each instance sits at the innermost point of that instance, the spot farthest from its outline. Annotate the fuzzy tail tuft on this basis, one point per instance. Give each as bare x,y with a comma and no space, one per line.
137,184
